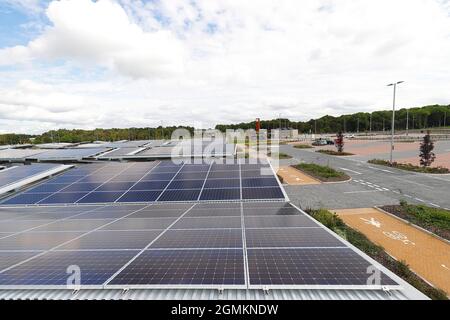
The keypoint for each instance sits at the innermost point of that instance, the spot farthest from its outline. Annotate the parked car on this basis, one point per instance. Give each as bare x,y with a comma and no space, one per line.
320,142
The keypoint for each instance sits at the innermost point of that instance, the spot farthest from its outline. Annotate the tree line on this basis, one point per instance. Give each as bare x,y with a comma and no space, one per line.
418,118
78,135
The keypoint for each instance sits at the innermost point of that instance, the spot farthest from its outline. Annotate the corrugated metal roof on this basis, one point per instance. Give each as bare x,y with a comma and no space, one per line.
203,294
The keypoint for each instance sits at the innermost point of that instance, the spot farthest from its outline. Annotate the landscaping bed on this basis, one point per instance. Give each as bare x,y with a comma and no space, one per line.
280,155
376,252
435,220
410,167
335,153
322,173
303,146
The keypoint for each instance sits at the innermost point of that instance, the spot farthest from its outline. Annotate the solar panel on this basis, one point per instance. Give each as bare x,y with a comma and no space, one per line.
285,238
50,269
137,182
177,244
262,193
140,224
218,238
36,240
208,223
136,239
284,221
18,176
74,225
67,154
220,194
180,195
309,267
184,268
139,196
220,212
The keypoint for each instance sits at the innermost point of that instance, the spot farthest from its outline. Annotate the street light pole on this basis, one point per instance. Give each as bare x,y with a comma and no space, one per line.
393,116
407,121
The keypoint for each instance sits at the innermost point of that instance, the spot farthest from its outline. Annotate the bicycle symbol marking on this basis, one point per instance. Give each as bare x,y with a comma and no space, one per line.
395,235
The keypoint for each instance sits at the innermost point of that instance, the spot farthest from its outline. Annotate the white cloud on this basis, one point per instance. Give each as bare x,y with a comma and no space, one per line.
101,33
228,61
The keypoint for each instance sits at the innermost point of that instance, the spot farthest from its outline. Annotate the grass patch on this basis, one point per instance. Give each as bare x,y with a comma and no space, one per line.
323,173
434,220
280,155
335,153
376,252
303,146
410,167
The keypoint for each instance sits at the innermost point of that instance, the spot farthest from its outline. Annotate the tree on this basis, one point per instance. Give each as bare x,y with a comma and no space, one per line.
427,155
340,142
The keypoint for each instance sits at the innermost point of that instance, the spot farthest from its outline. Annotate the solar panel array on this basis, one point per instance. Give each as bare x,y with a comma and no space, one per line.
155,181
67,154
175,245
189,148
21,172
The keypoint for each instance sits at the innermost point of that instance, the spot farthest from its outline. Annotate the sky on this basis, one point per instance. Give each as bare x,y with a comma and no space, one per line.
121,63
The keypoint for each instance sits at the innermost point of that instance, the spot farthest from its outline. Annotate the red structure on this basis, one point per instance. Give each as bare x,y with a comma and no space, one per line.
258,125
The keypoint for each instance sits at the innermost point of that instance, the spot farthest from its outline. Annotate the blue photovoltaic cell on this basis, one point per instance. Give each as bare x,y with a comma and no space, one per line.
190,175
259,182
164,169
262,193
179,195
158,176
82,187
95,179
8,259
186,184
65,179
47,188
139,196
27,198
220,194
115,186
195,168
99,197
50,269
63,197
222,183
224,167
184,267
224,175
151,185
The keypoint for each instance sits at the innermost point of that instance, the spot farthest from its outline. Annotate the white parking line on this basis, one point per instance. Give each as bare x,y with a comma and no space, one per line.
420,200
355,172
434,205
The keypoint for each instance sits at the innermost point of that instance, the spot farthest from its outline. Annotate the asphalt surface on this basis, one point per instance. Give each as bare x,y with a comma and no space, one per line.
370,185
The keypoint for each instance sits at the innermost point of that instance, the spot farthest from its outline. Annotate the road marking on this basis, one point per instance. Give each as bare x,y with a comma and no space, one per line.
408,196
445,267
384,170
363,191
434,205
355,172
419,199
385,189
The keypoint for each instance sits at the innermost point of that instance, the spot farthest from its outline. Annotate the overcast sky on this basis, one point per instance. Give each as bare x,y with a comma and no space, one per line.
121,63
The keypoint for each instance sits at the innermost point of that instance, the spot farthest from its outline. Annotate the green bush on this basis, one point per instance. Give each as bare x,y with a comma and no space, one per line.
303,146
321,172
409,166
334,153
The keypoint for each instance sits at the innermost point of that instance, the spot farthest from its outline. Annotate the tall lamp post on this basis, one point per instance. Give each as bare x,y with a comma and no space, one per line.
393,116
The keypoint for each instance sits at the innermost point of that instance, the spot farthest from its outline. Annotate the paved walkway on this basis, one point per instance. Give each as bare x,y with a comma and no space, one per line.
426,255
